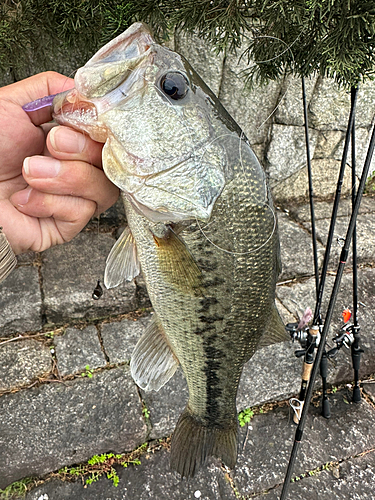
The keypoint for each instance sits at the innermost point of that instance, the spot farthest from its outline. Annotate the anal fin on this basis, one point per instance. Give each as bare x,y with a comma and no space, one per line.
122,262
275,331
153,363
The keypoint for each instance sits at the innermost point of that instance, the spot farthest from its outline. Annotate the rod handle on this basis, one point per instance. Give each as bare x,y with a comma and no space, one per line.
306,371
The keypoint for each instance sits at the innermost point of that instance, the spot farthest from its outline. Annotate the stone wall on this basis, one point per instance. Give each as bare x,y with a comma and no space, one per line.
272,118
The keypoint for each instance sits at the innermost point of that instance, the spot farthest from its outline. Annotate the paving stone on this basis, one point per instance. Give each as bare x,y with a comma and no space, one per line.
261,380
262,463
296,249
142,298
302,295
115,215
166,405
45,428
350,480
23,361
120,338
286,316
21,302
369,388
151,479
78,348
27,258
70,273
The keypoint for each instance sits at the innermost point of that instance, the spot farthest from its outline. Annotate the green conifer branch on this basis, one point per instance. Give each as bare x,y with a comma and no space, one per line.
333,38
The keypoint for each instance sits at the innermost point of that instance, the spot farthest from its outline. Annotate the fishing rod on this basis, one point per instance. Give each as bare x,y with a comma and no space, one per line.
311,191
332,302
349,334
356,351
308,340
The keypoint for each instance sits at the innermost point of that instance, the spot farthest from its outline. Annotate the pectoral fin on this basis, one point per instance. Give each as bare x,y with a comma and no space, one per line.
122,262
153,362
275,331
177,263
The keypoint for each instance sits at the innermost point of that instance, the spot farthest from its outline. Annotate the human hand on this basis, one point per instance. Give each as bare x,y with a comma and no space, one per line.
61,185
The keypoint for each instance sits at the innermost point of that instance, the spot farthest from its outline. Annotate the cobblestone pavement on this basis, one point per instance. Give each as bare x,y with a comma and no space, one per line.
66,393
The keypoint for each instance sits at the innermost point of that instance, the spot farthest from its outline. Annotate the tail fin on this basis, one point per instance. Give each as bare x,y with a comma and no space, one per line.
193,443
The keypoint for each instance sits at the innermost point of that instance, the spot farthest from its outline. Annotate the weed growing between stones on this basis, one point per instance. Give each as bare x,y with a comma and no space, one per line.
146,412
88,372
245,416
17,489
104,464
98,466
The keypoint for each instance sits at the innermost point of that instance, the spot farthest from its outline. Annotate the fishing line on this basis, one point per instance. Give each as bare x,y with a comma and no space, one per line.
288,47
261,202
200,160
195,155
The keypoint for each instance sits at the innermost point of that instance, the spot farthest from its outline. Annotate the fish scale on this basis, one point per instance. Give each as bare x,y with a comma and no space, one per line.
201,227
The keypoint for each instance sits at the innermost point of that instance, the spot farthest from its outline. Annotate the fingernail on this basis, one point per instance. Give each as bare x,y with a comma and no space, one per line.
41,166
22,197
66,140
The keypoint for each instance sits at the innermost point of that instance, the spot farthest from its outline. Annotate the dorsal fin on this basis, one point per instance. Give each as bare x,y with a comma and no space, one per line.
122,262
153,363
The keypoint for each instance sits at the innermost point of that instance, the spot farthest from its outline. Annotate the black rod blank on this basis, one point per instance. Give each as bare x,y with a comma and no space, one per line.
311,191
332,302
356,351
335,210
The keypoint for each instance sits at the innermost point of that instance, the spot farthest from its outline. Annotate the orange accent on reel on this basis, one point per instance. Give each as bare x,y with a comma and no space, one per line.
346,314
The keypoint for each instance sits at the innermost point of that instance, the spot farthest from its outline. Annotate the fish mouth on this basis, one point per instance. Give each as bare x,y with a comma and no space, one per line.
103,81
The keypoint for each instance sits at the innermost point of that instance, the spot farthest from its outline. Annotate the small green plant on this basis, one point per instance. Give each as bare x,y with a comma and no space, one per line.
370,185
146,413
98,465
16,489
78,470
88,372
245,416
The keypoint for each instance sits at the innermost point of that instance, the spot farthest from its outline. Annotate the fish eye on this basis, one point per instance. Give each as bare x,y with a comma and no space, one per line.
174,85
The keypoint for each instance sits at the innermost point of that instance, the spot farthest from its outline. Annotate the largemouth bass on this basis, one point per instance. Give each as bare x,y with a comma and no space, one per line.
201,227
